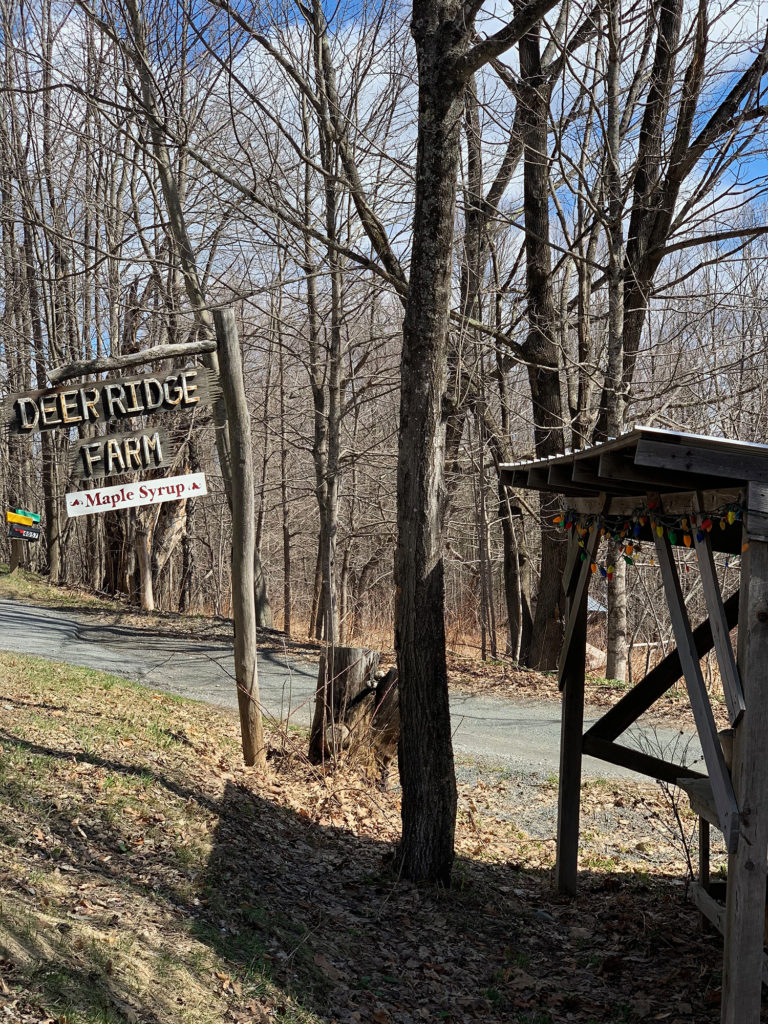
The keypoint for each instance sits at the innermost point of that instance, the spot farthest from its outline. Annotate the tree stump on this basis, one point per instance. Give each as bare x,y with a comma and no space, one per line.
343,674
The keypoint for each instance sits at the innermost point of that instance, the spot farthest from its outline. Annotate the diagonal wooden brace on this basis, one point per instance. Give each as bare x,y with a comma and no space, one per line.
726,661
719,776
579,594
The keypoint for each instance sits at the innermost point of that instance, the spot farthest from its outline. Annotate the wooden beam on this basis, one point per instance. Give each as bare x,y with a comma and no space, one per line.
697,692
585,473
745,902
17,554
572,629
538,480
572,571
637,760
729,673
700,796
85,367
688,458
573,663
243,539
644,694
710,908
619,466
676,502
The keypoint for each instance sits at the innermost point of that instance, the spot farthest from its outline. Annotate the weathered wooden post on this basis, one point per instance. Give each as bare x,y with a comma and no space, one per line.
571,674
745,901
17,554
243,537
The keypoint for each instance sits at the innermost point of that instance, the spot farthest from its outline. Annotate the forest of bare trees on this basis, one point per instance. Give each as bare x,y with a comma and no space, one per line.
452,237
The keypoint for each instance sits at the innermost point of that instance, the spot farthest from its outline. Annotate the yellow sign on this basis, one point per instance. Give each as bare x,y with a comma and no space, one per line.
14,517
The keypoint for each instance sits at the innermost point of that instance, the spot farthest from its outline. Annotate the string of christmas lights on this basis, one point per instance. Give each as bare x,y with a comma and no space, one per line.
626,530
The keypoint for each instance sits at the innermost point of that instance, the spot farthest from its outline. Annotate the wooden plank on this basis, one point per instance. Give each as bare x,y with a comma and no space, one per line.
637,760
644,694
704,852
571,727
86,367
65,407
675,502
572,571
701,799
21,520
688,458
17,554
710,908
697,692
585,473
745,902
757,512
726,661
538,480
619,466
572,635
110,454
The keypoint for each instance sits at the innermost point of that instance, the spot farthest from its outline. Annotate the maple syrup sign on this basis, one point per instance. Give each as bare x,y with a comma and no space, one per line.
143,492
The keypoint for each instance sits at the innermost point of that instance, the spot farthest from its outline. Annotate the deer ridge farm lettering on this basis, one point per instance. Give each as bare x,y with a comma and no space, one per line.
104,401
110,454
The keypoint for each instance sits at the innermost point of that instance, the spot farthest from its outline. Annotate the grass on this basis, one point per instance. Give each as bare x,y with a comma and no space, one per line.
31,588
83,926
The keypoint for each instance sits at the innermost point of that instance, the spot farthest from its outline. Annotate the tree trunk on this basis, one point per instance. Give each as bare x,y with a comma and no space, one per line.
517,579
540,346
426,752
143,537
177,229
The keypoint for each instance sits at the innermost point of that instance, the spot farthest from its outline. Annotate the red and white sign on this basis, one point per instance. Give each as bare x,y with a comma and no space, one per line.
143,492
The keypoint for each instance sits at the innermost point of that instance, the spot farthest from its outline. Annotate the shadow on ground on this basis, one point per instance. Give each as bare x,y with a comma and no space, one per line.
306,923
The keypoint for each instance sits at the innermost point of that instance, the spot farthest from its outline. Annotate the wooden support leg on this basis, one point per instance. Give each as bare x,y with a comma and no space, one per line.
745,904
704,848
17,554
569,796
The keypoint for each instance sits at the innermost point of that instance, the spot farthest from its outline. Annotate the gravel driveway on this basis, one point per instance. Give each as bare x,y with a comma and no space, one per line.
519,736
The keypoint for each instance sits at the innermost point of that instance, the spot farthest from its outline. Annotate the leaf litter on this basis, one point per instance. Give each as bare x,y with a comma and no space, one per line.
146,876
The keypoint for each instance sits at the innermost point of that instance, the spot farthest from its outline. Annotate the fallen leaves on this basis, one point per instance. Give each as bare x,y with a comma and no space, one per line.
168,881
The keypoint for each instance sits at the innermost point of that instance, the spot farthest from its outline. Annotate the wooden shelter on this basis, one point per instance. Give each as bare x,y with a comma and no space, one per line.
666,489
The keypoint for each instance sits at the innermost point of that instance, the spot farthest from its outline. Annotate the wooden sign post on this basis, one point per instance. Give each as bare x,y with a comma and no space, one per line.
21,526
112,400
243,537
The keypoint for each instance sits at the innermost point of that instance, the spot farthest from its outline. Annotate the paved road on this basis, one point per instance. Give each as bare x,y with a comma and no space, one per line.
514,734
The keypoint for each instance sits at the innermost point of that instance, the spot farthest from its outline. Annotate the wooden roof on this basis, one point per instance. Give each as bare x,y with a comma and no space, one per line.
646,459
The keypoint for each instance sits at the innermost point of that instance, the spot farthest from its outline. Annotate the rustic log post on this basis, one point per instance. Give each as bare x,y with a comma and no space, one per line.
17,554
745,902
343,673
243,538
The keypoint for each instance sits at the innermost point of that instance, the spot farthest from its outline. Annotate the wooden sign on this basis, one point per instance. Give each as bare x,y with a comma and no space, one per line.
119,453
21,519
143,492
23,532
34,516
103,401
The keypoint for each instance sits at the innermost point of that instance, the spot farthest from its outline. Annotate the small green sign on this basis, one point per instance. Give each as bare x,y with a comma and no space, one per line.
30,515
